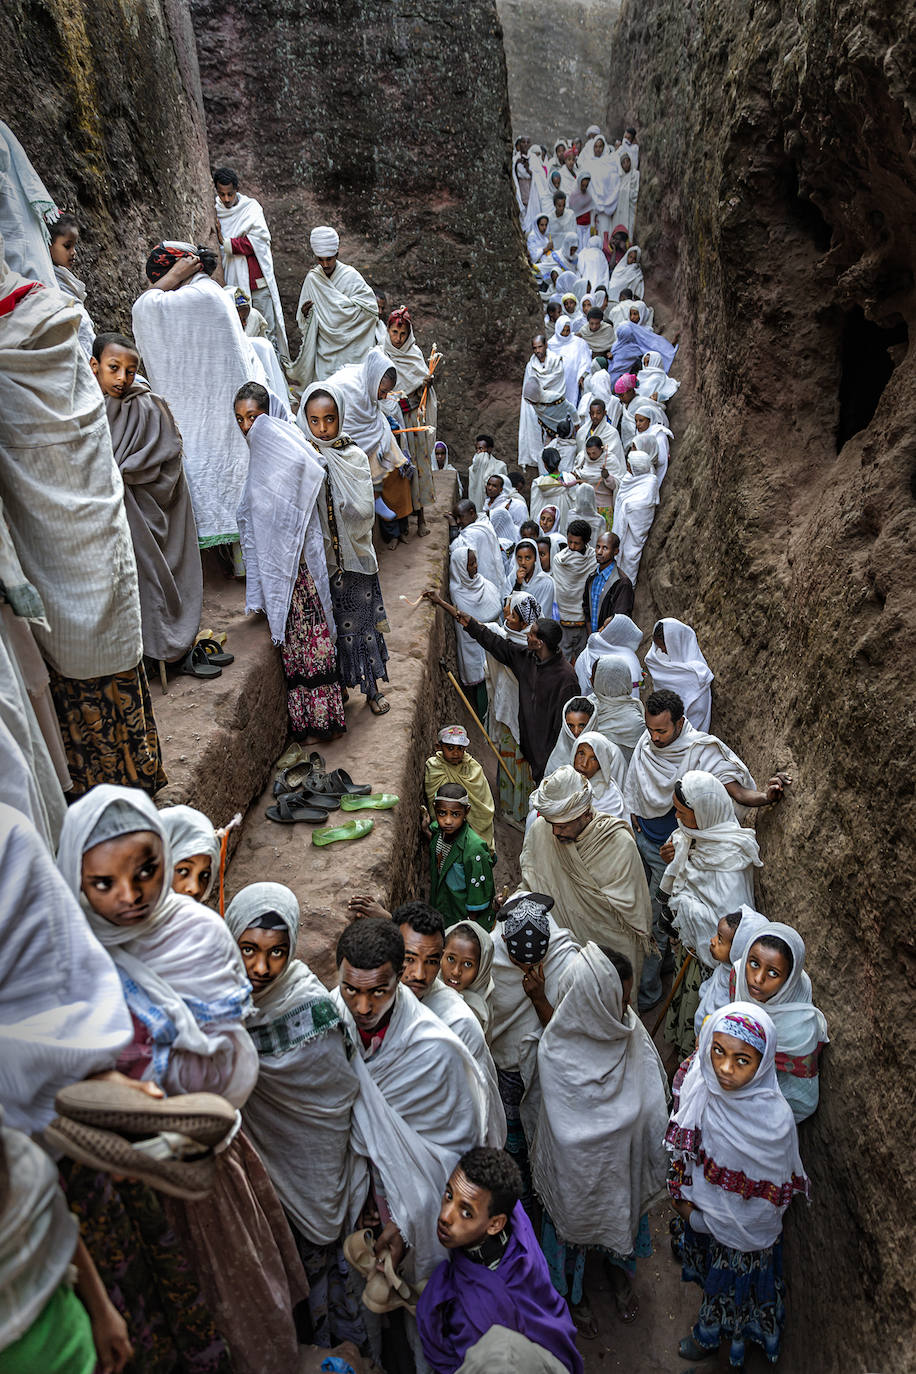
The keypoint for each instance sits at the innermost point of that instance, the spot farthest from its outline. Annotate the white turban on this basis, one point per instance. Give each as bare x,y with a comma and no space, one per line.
324,241
563,795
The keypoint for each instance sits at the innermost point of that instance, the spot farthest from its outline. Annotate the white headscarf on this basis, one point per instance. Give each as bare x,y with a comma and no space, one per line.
182,973
683,669
598,1158
565,747
478,992
711,873
653,378
562,795
190,832
619,716
800,1026
714,992
540,587
570,569
592,265
584,508
607,783
350,483
299,1114
627,275
473,595
620,636
367,422
745,1139
412,368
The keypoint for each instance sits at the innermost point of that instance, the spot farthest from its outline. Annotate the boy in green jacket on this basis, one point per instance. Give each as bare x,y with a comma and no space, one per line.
460,864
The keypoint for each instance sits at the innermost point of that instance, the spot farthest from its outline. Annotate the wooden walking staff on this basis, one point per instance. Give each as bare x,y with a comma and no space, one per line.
434,361
499,758
670,998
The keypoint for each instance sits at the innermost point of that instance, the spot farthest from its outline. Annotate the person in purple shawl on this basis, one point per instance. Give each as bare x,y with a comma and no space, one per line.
495,1273
631,343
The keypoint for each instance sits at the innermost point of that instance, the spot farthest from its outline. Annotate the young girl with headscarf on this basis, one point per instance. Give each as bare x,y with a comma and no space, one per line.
627,273
772,974
529,578
346,509
195,851
467,959
735,1168
188,994
735,933
596,758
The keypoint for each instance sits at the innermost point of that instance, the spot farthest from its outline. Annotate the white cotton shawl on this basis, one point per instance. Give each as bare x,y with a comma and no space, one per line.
182,335
605,174
481,535
62,1013
620,717
627,275
298,1116
483,466
607,796
549,377
574,353
412,367
627,194
190,832
683,669
26,210
597,1156
620,636
565,747
245,219
584,508
800,1026
653,379
746,1131
350,483
71,286
502,684
415,1137
599,385
29,779
181,958
540,586
266,355
714,992
453,1011
477,597
339,328
512,1014
653,772
279,523
547,491
570,571
712,872
593,267
634,511
478,992
367,422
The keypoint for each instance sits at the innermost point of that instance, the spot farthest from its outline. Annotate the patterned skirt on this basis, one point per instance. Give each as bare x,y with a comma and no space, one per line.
146,1274
513,799
313,697
334,1294
108,730
744,1295
360,615
566,1262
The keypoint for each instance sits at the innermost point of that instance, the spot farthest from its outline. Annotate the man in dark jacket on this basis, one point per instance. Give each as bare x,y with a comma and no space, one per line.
608,591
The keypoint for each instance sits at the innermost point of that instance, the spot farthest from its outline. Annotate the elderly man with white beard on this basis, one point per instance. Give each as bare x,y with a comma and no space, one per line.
589,863
337,313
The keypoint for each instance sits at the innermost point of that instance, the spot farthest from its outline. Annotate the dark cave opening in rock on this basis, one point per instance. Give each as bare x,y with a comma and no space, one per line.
866,367
802,211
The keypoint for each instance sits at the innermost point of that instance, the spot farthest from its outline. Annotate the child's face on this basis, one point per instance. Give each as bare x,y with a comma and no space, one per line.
576,543
246,412
734,1062
685,814
191,877
512,619
464,1217
63,248
453,753
767,970
322,418
577,722
544,555
594,452
547,519
524,560
115,370
265,953
720,946
450,815
472,563
585,761
631,256
122,878
596,413
634,314
460,962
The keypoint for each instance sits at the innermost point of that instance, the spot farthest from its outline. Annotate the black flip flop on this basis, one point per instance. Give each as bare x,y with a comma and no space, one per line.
339,784
290,809
197,664
215,652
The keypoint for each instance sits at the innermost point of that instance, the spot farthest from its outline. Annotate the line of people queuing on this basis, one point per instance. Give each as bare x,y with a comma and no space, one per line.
423,1156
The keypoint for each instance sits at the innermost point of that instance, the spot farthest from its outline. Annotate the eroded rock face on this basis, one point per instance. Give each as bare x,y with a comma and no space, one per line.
777,204
105,98
393,126
557,58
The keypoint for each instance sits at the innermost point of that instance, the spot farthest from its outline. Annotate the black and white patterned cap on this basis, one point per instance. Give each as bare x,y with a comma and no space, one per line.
526,929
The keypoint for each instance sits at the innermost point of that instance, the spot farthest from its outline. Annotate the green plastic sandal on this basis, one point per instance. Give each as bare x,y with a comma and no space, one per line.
378,801
352,830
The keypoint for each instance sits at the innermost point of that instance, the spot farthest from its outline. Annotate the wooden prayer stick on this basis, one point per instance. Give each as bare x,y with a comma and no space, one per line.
499,758
416,429
670,998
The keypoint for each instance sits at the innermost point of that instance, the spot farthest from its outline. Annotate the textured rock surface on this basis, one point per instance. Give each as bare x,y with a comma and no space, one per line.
557,59
105,98
778,199
391,122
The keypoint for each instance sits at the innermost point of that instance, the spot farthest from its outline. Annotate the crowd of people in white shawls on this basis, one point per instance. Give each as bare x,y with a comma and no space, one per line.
207,1158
